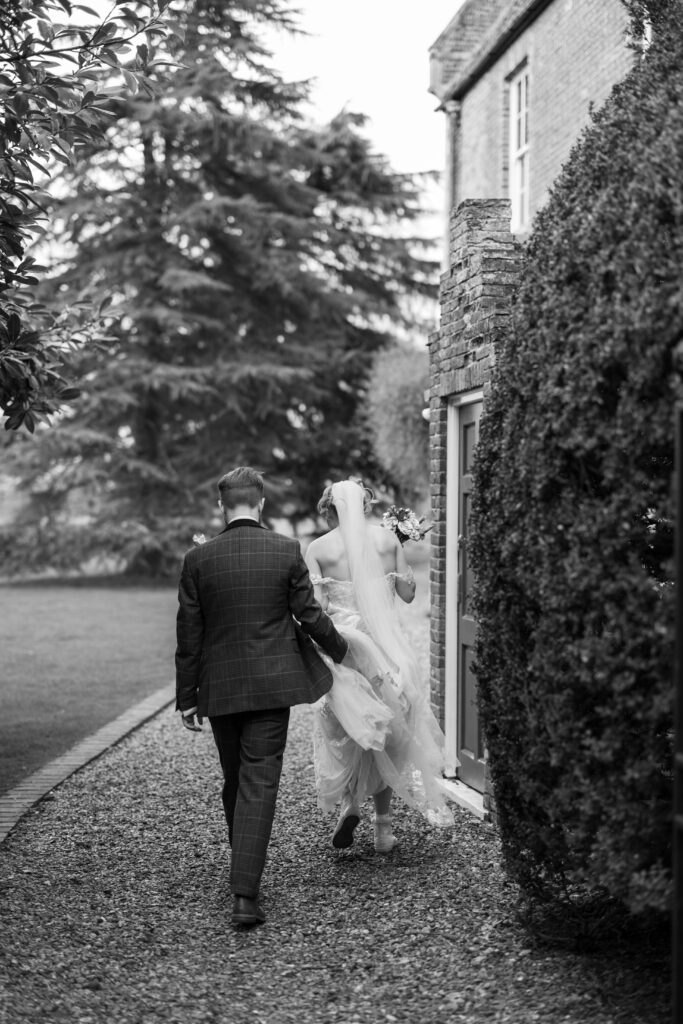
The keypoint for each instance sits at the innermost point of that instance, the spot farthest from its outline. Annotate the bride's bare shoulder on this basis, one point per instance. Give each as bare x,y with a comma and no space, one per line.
326,542
383,539
314,544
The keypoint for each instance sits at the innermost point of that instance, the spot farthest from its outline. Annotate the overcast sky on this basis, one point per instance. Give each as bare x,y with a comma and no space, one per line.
372,56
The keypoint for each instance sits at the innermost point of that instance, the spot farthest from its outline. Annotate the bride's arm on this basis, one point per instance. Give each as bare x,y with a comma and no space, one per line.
405,580
315,571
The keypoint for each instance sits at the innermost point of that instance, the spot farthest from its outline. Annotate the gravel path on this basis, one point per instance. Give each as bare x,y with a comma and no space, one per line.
115,908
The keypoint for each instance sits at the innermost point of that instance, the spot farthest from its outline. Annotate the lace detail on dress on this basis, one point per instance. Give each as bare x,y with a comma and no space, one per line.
339,586
409,576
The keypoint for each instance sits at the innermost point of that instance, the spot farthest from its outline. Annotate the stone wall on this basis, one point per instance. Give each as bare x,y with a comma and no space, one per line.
476,296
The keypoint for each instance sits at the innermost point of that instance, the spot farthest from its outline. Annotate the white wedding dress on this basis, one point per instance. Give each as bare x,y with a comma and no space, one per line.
375,727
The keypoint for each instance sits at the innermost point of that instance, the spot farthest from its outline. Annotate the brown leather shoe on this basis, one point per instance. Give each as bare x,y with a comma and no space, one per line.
246,911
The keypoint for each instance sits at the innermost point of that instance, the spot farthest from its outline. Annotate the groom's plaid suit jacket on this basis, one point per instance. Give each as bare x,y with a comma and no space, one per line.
238,644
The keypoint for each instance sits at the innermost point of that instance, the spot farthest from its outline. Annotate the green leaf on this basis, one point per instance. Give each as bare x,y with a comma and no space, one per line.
87,10
45,28
131,81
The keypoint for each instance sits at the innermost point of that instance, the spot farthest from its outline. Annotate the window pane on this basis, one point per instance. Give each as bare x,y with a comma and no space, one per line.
518,149
469,439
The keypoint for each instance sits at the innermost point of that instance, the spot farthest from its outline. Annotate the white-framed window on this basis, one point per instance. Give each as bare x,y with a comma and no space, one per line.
519,149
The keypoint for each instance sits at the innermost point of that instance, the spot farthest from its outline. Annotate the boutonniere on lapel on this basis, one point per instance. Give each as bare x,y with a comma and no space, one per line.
198,539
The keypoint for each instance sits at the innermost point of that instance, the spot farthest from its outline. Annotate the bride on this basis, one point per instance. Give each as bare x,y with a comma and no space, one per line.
374,732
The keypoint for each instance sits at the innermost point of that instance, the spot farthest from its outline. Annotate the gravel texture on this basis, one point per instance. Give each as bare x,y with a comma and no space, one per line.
115,908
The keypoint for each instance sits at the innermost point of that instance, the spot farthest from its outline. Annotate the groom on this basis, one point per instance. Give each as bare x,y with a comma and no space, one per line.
243,661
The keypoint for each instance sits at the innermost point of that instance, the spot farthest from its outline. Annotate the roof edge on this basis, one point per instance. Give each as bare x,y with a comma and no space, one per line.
444,32
481,62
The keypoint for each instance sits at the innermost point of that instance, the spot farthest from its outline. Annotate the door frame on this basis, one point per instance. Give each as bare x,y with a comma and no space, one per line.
452,680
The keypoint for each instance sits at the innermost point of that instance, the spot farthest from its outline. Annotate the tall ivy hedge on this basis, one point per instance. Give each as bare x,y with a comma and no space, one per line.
572,519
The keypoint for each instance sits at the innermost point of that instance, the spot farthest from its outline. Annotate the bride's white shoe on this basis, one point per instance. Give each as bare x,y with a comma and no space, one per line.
385,840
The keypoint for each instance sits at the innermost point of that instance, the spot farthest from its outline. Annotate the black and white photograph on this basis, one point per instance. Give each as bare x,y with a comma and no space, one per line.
341,512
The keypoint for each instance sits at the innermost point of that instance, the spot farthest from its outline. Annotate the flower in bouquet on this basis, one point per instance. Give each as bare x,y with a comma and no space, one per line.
404,523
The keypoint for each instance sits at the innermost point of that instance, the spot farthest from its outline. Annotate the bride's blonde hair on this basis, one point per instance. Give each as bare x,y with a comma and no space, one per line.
326,503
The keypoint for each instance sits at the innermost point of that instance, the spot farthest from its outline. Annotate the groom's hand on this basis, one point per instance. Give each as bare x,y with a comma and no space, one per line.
189,722
347,660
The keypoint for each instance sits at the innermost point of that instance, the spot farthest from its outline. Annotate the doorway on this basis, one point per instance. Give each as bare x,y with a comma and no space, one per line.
464,737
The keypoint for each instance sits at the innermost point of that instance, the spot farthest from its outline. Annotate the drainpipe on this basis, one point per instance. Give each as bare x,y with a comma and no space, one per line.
452,190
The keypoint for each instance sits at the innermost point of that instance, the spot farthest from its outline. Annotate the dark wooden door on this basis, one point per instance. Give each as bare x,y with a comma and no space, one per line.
470,741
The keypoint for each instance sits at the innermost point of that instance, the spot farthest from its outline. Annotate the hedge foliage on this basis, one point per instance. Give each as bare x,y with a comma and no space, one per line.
572,518
63,547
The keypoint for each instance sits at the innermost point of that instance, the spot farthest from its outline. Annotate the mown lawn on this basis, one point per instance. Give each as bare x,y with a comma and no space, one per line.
75,656
72,658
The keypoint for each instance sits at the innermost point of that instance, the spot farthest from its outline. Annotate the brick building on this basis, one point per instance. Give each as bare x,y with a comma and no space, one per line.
516,80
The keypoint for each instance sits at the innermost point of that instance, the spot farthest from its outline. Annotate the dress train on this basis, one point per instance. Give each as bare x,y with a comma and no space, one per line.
375,727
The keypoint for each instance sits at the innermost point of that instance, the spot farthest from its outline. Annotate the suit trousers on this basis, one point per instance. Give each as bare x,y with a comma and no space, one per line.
250,747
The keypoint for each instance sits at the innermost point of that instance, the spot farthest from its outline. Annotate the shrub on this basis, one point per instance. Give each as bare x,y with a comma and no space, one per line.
61,547
393,420
572,518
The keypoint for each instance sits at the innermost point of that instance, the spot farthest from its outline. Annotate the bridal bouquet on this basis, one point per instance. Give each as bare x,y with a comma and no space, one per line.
404,523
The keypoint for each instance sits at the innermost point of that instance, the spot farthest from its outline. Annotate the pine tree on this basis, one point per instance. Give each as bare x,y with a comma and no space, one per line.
256,265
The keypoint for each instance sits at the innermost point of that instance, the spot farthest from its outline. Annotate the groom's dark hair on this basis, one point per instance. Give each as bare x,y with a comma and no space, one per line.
241,486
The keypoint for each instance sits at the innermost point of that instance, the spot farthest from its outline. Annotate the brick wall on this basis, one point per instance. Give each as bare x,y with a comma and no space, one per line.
475,297
576,51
